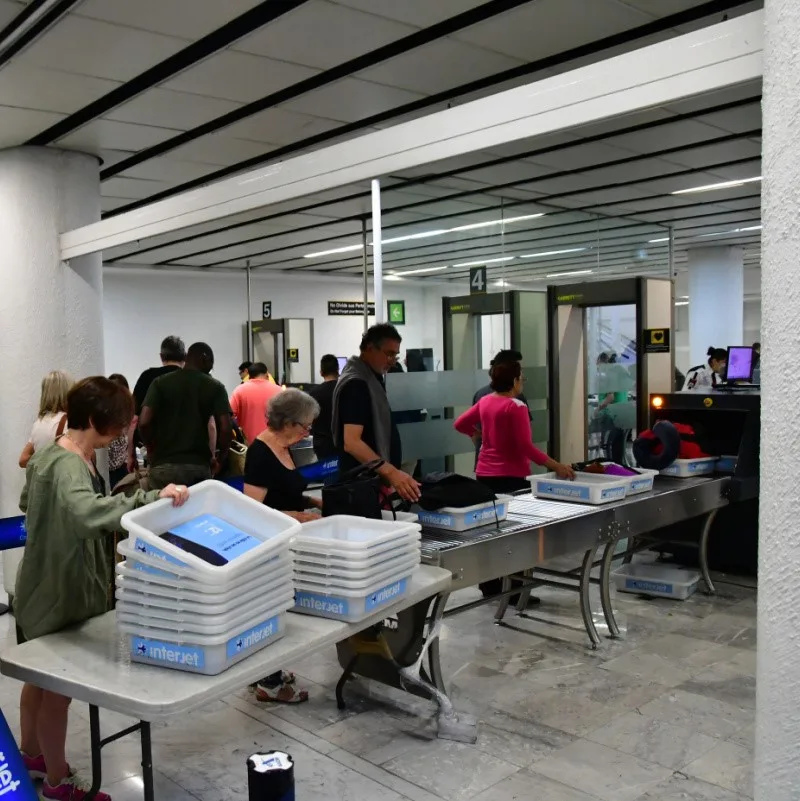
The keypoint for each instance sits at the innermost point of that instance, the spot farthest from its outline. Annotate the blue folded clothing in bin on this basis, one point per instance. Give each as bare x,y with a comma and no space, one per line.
211,539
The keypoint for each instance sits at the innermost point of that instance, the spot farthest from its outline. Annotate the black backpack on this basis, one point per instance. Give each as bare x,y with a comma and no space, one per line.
451,489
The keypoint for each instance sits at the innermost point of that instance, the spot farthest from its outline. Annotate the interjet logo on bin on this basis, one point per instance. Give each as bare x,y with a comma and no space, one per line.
168,652
386,594
247,639
324,604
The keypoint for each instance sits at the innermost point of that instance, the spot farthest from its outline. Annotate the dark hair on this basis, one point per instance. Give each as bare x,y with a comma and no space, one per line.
717,354
201,357
607,358
756,346
99,402
173,350
506,357
120,379
257,369
378,334
503,375
245,366
329,365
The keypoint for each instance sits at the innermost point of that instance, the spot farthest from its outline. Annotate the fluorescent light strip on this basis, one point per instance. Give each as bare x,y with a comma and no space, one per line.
481,262
418,272
732,231
681,302
427,234
722,185
551,253
572,272
653,241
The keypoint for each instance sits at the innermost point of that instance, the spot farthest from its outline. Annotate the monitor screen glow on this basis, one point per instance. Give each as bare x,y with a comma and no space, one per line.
740,364
342,362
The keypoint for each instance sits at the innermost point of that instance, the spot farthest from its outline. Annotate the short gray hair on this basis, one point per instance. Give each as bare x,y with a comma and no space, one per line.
291,406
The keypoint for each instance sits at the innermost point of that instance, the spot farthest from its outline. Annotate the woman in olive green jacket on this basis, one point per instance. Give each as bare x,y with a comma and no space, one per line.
64,576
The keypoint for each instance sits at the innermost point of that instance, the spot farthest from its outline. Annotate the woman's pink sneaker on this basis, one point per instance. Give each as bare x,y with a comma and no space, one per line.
35,766
73,788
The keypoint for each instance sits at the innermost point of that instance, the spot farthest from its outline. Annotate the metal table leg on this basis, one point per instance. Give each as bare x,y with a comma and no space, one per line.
96,745
147,761
586,605
710,589
434,660
525,595
504,601
605,588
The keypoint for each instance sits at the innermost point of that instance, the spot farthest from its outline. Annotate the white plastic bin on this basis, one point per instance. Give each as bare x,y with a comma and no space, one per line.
357,536
149,568
350,605
315,562
642,482
662,581
198,653
145,525
689,468
158,617
589,488
345,577
467,517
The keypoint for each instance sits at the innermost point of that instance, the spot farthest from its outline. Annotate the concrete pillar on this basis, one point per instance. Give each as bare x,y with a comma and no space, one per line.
716,300
50,311
777,768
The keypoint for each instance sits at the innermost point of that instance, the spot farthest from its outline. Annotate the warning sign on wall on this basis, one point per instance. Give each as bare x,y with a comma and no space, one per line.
656,340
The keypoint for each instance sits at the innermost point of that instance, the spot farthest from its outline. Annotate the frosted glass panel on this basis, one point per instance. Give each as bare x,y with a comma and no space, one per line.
446,388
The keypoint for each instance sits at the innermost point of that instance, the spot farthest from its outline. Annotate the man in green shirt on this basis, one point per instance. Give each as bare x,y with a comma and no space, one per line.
182,413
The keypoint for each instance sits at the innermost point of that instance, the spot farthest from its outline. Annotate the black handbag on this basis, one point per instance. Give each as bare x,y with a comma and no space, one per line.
357,492
451,489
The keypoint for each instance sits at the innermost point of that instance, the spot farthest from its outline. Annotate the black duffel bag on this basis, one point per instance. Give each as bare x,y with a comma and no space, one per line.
439,490
358,492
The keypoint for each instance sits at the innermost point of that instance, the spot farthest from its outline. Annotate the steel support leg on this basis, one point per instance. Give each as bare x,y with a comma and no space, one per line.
504,601
605,588
147,761
586,604
525,595
434,659
96,746
710,589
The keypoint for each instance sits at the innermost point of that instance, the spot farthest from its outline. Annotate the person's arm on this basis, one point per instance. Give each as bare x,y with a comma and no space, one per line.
236,403
523,434
222,418
468,422
25,456
260,493
147,428
607,401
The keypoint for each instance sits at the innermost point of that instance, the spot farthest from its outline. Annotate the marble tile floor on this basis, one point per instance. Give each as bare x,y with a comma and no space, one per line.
666,713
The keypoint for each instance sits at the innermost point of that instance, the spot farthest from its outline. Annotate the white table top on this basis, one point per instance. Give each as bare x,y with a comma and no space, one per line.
91,663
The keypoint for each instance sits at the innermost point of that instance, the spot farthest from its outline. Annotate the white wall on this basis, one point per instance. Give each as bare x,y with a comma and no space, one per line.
141,307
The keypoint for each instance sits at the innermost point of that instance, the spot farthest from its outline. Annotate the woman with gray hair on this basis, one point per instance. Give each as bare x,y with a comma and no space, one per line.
270,477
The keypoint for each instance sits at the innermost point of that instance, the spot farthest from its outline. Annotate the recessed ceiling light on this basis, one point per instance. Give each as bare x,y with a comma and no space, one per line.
419,271
572,272
332,251
681,302
722,185
653,241
481,262
551,253
731,231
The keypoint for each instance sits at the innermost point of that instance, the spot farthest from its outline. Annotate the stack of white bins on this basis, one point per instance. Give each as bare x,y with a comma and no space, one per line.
348,568
179,610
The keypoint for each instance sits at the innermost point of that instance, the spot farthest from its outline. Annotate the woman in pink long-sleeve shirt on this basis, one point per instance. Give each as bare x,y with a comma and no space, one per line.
504,461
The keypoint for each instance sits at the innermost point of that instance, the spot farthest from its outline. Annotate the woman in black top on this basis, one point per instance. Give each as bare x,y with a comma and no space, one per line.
270,477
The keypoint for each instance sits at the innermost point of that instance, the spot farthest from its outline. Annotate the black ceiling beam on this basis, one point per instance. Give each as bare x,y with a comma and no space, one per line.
243,25
646,126
47,20
443,99
354,65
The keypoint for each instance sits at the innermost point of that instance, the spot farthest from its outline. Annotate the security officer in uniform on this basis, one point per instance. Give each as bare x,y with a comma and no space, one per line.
708,376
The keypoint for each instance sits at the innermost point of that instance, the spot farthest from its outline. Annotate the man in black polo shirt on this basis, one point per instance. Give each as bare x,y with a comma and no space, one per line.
363,430
322,428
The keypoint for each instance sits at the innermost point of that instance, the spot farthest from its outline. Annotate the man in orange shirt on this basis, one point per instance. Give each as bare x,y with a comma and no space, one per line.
249,401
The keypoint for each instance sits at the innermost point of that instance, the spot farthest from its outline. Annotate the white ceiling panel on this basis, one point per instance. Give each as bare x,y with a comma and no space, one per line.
588,155
166,168
350,99
219,149
19,124
98,49
660,8
188,19
277,125
108,134
322,34
415,12
700,157
238,76
735,120
8,10
540,29
438,66
48,90
132,188
165,108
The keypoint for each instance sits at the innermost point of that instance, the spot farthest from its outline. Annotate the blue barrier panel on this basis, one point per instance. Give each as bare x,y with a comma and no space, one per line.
12,532
319,470
15,784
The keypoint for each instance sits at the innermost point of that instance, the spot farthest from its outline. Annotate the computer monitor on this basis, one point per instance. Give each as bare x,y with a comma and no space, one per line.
740,363
342,362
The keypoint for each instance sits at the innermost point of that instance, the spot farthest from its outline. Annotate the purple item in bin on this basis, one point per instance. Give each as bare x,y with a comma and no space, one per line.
619,470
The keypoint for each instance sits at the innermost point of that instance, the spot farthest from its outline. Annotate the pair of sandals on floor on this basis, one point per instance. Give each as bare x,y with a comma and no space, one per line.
283,693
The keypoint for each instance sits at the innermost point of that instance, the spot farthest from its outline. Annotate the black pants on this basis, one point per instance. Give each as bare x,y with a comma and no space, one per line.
501,485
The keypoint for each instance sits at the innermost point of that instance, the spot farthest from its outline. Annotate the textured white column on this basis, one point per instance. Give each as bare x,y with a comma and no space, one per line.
716,300
777,767
50,311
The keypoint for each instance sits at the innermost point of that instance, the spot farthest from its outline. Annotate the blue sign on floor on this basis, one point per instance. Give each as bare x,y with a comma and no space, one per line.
15,784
